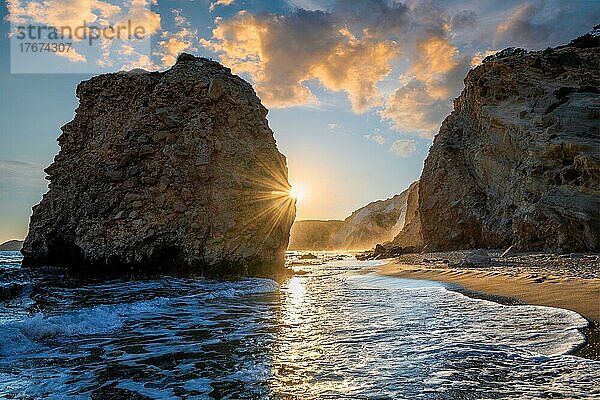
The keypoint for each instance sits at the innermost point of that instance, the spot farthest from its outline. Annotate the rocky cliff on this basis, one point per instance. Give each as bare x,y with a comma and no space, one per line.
518,160
166,171
377,222
410,235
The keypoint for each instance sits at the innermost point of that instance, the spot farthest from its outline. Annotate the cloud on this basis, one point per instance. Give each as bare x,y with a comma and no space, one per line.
425,97
60,12
94,14
174,43
480,56
376,138
283,52
379,18
537,24
403,148
72,55
379,139
465,19
411,108
21,174
220,3
521,29
311,5
352,48
139,61
73,13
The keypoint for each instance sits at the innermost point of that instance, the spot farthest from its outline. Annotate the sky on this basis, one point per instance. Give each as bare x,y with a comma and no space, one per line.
356,89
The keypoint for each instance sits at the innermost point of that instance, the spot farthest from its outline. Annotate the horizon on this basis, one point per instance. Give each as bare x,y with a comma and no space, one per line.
351,137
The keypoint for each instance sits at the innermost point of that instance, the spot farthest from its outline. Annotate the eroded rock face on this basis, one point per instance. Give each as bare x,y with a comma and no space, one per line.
377,222
410,236
314,234
165,171
517,161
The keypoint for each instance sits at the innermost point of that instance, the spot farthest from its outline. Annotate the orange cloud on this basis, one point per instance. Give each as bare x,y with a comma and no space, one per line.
351,48
435,78
175,43
220,3
410,108
480,56
92,13
283,52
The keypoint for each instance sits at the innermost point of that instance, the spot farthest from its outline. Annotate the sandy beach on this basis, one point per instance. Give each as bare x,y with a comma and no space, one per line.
571,282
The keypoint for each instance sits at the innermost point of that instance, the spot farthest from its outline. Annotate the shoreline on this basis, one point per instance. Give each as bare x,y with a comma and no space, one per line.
516,288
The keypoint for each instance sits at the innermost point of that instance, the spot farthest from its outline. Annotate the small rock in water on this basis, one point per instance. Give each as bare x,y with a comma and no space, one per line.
309,256
379,250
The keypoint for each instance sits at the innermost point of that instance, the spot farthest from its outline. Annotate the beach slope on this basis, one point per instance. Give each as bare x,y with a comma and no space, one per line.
537,279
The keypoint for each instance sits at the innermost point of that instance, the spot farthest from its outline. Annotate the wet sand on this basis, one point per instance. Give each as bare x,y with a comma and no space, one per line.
538,279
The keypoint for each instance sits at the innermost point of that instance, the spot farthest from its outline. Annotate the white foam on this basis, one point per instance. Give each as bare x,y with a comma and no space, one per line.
543,330
242,288
96,320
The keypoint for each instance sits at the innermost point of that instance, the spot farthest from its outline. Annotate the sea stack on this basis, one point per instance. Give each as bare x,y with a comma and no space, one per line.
518,160
165,172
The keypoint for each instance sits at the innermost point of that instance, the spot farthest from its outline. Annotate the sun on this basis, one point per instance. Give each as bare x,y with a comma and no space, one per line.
296,192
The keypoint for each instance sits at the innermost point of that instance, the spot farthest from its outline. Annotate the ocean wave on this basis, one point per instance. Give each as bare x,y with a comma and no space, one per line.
338,331
26,334
231,290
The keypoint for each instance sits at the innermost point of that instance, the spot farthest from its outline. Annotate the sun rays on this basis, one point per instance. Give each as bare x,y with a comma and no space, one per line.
268,190
296,192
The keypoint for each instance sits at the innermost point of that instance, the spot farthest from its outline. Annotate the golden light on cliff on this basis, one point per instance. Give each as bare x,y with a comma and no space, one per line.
269,192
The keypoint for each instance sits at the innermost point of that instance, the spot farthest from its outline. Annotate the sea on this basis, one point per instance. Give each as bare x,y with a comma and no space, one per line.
336,330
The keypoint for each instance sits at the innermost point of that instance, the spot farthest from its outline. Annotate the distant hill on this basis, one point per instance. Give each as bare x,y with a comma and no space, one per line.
11,245
314,234
377,222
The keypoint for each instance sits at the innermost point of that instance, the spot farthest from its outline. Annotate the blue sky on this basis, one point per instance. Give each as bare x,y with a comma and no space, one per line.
356,89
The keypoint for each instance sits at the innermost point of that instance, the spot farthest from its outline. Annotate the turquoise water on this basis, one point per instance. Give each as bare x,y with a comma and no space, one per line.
339,331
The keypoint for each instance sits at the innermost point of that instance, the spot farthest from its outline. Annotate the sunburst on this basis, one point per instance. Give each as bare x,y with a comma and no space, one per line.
271,196
297,192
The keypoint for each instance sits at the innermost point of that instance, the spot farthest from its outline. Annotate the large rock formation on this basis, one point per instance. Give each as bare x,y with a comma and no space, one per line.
377,222
165,171
410,236
518,160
